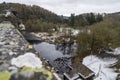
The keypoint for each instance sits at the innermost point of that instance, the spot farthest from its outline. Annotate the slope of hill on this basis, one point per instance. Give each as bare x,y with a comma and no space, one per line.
31,16
25,12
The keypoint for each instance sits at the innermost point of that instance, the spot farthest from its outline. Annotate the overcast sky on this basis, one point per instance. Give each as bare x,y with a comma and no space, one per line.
66,7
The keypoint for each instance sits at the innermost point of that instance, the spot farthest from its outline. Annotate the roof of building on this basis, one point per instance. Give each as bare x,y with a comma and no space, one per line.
80,69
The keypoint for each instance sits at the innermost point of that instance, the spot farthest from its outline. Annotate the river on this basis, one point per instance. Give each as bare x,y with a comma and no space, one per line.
58,56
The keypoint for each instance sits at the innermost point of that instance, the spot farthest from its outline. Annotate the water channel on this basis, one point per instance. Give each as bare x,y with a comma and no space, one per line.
59,56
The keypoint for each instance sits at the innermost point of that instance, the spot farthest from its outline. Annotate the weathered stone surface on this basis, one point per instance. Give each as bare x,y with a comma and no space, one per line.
16,55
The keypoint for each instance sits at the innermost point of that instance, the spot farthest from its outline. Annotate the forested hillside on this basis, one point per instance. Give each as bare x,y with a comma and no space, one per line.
34,17
85,19
102,36
37,18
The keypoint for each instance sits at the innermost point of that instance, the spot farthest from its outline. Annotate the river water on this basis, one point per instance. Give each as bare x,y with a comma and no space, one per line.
58,56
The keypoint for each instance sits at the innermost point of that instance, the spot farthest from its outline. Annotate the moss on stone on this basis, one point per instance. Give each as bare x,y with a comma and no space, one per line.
5,75
46,72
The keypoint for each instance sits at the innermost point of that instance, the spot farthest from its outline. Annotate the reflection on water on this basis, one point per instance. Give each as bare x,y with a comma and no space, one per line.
49,51
66,48
58,55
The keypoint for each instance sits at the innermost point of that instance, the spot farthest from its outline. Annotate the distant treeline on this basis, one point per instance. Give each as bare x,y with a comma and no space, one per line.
37,18
34,17
84,19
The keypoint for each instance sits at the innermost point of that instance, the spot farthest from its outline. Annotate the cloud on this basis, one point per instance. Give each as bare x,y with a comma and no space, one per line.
66,7
76,6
